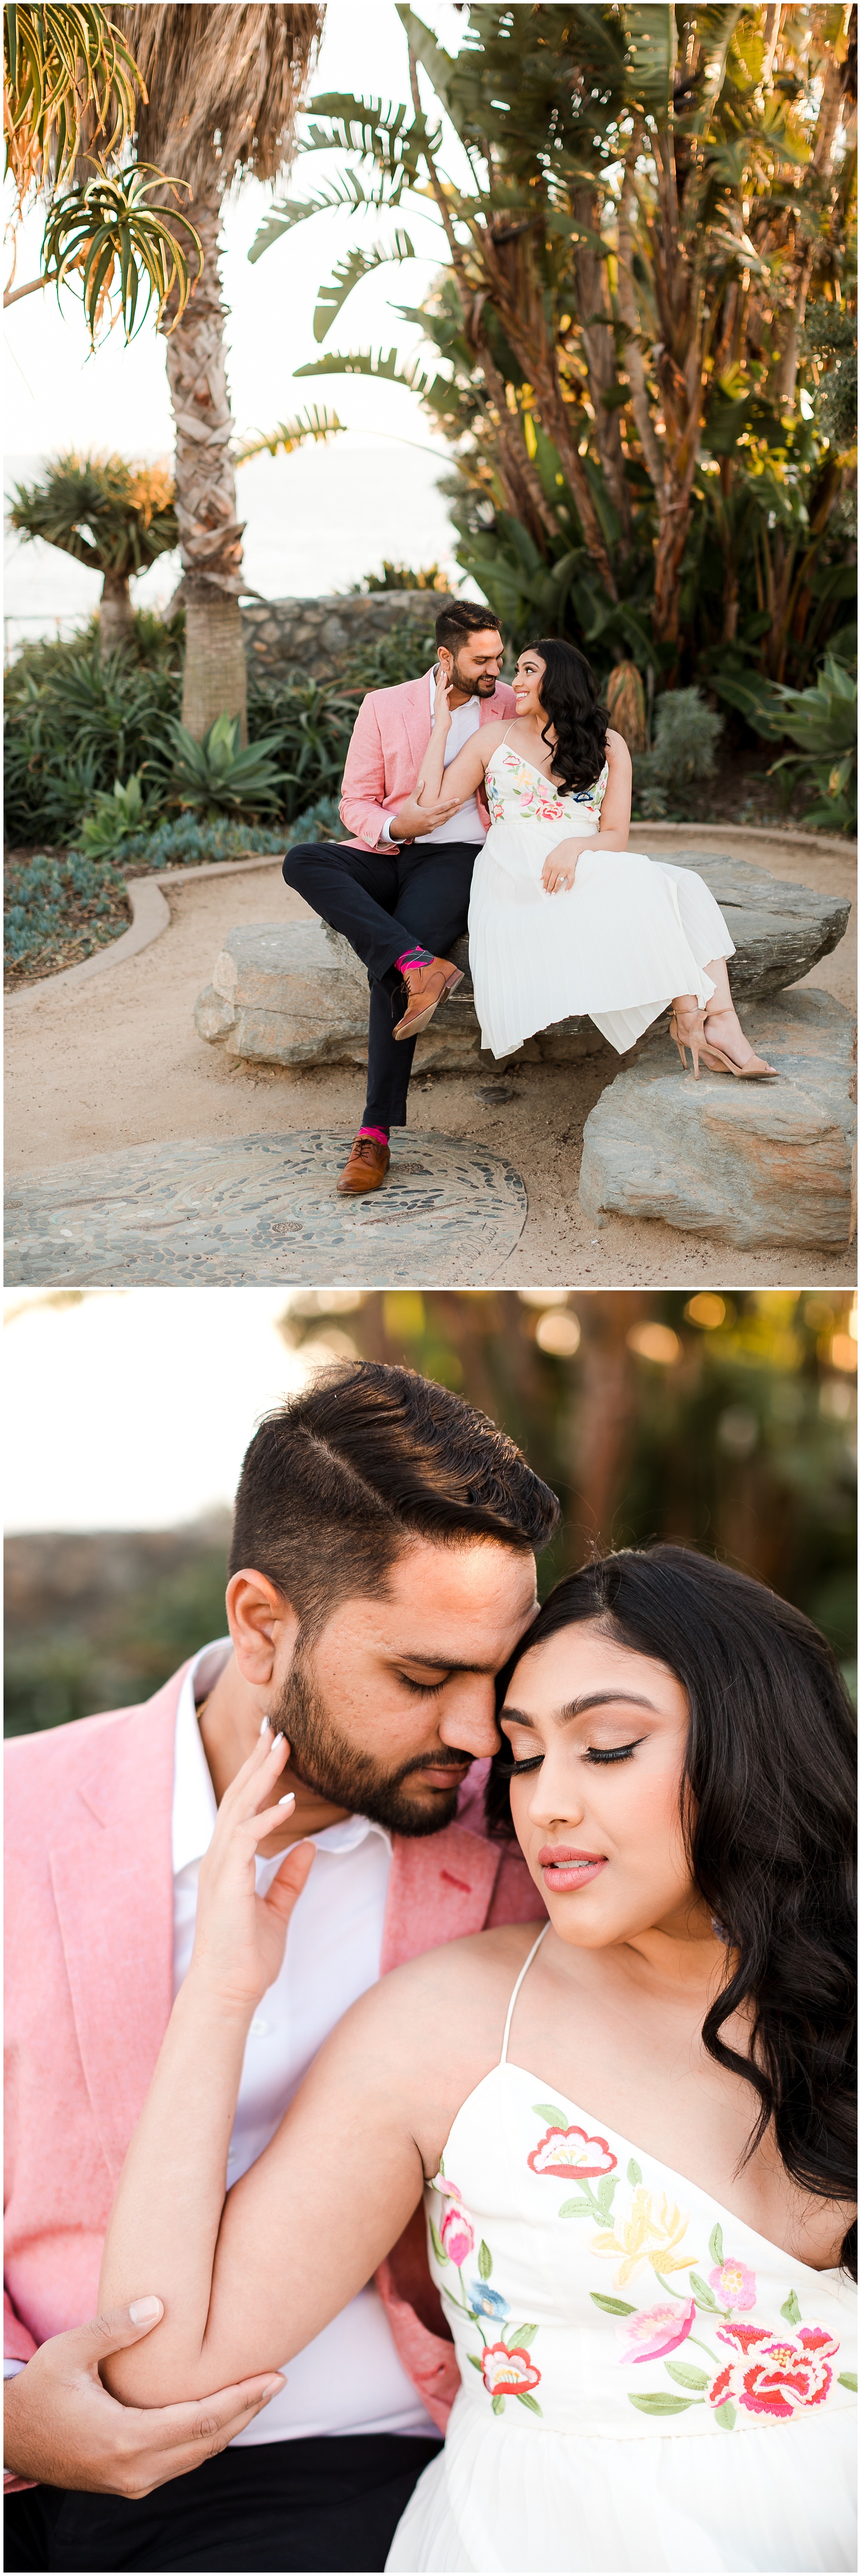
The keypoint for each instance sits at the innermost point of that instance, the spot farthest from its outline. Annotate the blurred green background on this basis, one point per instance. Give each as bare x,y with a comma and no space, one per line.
727,1421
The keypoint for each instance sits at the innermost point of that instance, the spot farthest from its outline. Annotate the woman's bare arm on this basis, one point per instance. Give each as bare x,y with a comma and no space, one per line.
436,785
261,2269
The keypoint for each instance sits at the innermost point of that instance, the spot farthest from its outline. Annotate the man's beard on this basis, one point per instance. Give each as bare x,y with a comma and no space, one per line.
324,1760
482,688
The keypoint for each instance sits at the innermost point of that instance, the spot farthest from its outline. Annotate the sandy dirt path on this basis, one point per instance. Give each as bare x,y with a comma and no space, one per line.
116,1060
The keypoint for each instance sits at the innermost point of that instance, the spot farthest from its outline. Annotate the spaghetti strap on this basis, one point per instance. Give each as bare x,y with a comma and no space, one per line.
516,1990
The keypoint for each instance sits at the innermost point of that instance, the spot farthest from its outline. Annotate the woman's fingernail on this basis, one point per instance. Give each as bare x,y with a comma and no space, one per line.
142,2311
266,1726
289,1801
271,2389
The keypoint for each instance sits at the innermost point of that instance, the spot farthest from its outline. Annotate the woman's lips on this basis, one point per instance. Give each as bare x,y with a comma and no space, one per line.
565,1868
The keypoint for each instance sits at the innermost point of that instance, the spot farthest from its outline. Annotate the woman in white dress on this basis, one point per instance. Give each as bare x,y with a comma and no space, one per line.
634,2133
630,934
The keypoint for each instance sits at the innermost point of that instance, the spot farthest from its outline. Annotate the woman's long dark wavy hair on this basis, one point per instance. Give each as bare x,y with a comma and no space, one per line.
569,697
768,1814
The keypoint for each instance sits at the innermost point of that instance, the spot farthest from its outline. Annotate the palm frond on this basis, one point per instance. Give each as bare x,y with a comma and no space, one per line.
289,434
349,272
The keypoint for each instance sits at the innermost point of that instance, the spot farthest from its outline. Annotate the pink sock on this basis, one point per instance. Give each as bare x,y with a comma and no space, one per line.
413,957
381,1134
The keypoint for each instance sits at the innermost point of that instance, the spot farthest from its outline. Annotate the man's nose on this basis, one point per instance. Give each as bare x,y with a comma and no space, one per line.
468,1720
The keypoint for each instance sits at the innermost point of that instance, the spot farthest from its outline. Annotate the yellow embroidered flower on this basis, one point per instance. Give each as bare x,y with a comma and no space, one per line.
644,2237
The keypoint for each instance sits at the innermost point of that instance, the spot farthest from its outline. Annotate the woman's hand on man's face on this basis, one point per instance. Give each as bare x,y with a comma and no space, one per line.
239,1936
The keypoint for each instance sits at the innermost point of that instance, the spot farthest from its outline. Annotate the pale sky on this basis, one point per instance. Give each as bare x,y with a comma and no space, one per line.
58,396
133,1409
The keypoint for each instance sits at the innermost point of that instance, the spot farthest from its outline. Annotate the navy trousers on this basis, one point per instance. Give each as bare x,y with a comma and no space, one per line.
383,900
323,2503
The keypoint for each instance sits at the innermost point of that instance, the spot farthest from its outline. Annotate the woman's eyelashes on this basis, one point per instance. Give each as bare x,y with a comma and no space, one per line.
591,1753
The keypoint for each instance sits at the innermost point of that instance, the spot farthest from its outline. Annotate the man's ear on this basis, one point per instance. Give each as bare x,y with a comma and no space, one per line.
446,658
262,1624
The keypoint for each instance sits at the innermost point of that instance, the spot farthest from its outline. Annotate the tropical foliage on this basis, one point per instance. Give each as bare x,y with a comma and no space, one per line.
108,512
69,100
642,343
77,725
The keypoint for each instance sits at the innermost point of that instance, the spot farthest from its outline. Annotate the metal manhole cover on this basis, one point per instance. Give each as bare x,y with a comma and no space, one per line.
255,1210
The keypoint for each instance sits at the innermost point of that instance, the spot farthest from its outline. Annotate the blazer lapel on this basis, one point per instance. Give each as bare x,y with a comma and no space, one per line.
440,1888
415,710
113,1887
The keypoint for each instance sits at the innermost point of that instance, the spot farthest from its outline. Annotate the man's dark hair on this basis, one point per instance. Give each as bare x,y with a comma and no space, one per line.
463,617
341,1478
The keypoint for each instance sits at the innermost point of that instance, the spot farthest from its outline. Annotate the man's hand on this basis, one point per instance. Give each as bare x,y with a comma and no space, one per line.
62,2429
413,819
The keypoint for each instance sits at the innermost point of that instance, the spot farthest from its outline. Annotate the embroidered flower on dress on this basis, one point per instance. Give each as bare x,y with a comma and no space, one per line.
508,2373
457,2235
488,2303
655,2331
645,2238
774,2374
733,2283
564,2152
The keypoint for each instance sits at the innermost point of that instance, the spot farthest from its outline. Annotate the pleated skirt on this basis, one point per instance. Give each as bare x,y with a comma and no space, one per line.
630,935
779,2498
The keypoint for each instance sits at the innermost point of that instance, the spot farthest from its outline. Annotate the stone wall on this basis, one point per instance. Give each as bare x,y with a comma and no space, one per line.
285,638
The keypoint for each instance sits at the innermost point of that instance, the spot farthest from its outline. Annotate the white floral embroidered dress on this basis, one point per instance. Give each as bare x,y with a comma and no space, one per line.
631,933
646,2382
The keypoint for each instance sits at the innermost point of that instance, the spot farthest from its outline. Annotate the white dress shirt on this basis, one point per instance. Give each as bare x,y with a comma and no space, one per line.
466,824
350,2379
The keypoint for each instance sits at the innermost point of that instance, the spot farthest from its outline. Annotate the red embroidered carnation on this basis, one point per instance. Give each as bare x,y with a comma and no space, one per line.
774,2374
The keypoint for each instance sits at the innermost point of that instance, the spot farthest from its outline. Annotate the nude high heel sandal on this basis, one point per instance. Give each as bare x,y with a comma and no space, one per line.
691,1035
756,1070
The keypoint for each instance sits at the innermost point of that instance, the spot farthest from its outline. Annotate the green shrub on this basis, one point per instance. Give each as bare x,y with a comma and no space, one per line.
75,727
822,721
683,751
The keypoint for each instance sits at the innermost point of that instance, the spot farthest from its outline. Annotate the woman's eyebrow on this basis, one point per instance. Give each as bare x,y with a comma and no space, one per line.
606,1699
578,1707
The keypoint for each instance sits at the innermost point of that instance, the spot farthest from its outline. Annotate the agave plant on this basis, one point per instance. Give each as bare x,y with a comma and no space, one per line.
220,777
114,816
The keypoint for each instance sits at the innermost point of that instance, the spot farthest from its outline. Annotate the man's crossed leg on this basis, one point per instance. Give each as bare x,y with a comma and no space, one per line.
387,902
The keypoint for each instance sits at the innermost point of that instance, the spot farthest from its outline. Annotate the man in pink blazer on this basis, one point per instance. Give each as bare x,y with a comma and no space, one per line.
381,1573
403,903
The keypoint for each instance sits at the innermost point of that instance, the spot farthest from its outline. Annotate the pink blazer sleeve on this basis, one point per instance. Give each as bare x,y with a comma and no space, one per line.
364,782
18,2343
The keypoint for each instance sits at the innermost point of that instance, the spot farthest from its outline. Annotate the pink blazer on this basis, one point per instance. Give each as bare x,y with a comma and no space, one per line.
390,737
89,1970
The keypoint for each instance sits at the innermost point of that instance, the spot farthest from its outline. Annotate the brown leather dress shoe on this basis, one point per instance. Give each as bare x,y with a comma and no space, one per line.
426,985
367,1167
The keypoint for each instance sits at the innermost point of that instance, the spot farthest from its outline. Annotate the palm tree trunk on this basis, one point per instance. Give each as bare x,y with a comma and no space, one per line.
116,615
210,534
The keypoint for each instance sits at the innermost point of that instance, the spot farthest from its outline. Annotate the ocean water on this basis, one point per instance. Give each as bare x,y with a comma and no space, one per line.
316,522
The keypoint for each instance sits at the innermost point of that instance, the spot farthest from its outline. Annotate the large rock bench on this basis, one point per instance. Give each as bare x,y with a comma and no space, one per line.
294,993
746,1163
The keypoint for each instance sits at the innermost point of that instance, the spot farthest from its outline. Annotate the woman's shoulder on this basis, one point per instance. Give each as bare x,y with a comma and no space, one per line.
454,1987
618,754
